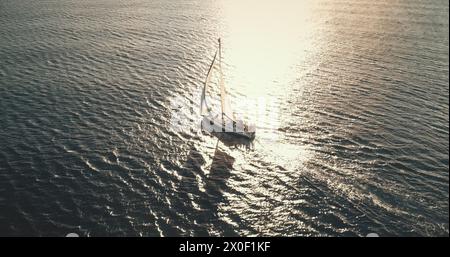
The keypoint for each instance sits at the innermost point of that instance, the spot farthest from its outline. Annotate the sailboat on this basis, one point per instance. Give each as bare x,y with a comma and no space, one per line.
223,120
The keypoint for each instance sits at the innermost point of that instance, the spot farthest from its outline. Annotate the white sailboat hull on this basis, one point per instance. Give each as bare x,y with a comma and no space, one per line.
238,128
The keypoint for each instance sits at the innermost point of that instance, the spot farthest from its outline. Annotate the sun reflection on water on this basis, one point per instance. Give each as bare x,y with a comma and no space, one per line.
265,45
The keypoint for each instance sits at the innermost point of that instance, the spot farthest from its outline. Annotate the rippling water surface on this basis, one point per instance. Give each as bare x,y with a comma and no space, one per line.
353,137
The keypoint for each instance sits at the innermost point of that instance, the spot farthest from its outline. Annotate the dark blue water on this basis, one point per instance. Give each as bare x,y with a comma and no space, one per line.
359,142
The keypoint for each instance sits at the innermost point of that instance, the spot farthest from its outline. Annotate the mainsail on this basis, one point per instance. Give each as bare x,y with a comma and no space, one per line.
205,109
225,100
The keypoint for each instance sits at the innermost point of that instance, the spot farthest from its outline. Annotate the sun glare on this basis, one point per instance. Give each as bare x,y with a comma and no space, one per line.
262,35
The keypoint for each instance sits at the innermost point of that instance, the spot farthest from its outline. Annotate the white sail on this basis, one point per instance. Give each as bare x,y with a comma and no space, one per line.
225,105
225,100
204,108
227,113
214,94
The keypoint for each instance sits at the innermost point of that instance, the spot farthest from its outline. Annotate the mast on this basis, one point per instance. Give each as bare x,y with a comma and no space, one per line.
220,55
222,87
